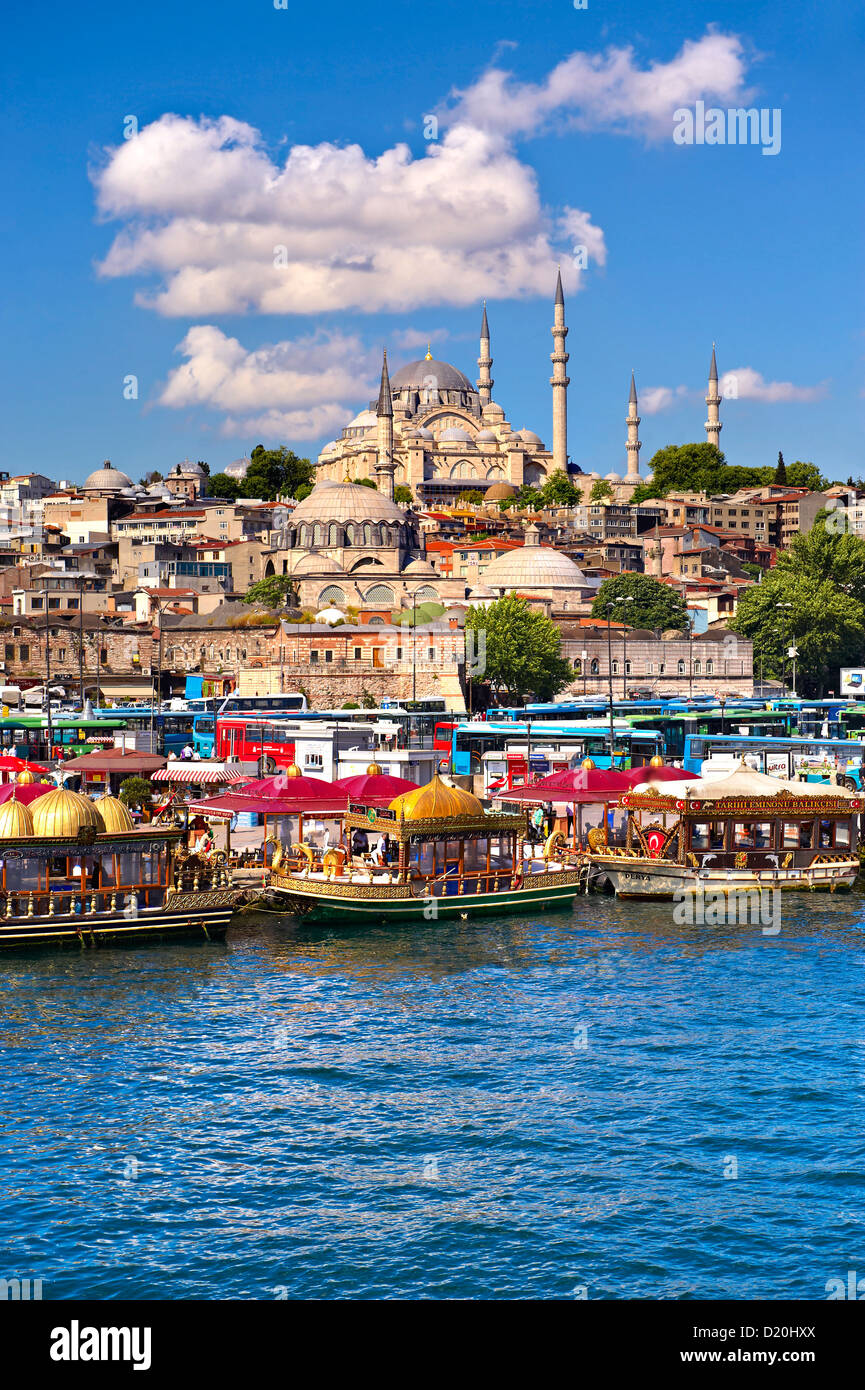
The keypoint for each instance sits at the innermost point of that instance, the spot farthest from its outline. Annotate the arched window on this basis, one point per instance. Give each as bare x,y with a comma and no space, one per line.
426,594
376,622
698,667
317,533
332,594
333,533
595,666
627,668
379,593
680,668
710,667
269,571
615,668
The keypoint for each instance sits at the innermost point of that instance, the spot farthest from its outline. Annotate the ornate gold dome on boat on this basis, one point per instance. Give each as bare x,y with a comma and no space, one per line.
588,764
115,815
62,813
25,777
373,770
15,819
293,771
657,761
436,801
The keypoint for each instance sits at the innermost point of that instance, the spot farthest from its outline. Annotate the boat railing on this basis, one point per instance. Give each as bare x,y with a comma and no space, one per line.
27,902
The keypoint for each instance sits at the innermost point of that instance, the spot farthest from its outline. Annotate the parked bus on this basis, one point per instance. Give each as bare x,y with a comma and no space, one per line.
806,759
633,747
27,736
291,703
172,729
250,740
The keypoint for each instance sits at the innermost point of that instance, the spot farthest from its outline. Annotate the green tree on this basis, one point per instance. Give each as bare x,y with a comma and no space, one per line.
697,468
559,491
136,791
806,475
401,493
368,482
825,624
655,605
522,651
303,490
471,497
276,592
221,485
153,476
204,466
275,473
781,471
601,490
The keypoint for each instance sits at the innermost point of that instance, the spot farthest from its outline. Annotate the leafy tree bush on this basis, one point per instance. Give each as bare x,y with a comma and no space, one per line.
655,606
523,651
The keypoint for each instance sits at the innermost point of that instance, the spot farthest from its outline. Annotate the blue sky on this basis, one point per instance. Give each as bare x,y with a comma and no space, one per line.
117,252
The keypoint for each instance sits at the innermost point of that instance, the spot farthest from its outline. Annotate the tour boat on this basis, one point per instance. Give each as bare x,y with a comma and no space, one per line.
443,855
743,831
77,872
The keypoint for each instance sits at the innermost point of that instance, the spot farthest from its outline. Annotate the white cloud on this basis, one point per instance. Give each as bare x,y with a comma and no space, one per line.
411,338
746,384
607,91
654,399
283,391
226,230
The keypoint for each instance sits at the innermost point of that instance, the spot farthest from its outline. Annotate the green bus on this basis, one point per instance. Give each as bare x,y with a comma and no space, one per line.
27,736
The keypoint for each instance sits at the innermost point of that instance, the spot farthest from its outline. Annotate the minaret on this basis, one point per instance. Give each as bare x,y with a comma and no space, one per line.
384,411
713,400
560,382
485,381
633,444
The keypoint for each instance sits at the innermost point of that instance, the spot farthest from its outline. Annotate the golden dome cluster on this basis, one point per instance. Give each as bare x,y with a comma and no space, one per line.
436,801
61,814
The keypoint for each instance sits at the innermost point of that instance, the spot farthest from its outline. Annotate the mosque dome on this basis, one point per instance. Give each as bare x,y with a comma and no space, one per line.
107,479
115,815
493,411
316,563
186,466
237,468
424,433
436,801
63,813
486,437
415,376
499,492
533,566
612,477
455,436
346,502
422,567
596,477
16,820
365,420
329,448
529,437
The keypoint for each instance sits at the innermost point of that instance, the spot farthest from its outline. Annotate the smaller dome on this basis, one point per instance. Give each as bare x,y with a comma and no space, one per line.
107,479
364,420
25,777
612,477
588,765
657,761
421,567
317,564
115,815
437,801
485,437
650,477
493,411
499,492
455,436
61,814
329,448
15,820
373,770
529,437
330,615
595,476
424,433
237,468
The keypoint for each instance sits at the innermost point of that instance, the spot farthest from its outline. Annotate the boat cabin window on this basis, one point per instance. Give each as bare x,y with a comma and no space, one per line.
707,834
790,833
752,834
842,834
826,835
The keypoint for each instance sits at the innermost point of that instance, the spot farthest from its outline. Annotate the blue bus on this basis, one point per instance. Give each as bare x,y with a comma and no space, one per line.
172,729
790,759
633,747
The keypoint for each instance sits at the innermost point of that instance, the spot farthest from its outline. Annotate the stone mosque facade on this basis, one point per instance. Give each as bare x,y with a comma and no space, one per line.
448,436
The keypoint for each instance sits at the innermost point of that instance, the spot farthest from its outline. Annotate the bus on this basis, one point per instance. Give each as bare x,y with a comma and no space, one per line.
248,740
27,736
472,740
805,759
675,727
172,729
292,703
430,704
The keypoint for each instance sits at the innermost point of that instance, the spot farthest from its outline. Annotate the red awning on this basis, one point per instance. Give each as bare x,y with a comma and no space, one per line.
115,760
224,807
199,774
574,784
635,775
9,763
26,793
374,788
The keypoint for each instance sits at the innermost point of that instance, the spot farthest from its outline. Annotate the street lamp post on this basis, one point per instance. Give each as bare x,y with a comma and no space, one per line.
793,652
414,646
584,656
48,730
625,599
610,681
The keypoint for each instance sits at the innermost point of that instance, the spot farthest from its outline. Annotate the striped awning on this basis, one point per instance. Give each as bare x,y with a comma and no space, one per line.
200,774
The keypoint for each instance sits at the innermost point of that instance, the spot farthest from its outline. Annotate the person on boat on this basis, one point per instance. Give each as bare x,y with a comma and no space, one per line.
549,818
186,752
538,822
359,843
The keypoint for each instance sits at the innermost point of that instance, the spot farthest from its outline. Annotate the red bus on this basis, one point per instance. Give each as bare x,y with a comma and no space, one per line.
249,740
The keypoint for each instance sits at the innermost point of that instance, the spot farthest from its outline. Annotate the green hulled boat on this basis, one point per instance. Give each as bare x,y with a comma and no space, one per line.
438,854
